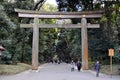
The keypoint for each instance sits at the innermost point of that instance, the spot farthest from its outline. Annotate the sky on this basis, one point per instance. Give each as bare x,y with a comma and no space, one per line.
51,2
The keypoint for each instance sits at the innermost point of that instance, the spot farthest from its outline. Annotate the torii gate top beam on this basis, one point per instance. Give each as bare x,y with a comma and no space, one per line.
58,15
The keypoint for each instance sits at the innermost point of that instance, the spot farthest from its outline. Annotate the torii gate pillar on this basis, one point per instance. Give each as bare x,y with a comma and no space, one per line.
35,44
84,44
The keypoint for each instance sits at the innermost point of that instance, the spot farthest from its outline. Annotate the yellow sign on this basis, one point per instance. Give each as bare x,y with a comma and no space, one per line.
111,52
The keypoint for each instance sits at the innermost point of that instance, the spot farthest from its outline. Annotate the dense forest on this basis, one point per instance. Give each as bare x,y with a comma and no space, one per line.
64,44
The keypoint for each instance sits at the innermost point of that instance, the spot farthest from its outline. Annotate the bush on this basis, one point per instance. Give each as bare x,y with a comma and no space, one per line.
6,57
117,52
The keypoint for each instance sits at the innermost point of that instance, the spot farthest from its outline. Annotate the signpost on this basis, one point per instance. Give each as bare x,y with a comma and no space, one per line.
111,54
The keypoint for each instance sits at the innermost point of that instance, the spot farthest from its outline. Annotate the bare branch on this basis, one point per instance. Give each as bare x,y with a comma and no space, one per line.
39,5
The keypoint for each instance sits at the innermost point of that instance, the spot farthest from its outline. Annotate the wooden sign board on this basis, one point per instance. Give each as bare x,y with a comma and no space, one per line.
111,52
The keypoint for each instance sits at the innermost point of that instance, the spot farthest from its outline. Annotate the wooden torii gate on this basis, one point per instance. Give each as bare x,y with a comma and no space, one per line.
59,15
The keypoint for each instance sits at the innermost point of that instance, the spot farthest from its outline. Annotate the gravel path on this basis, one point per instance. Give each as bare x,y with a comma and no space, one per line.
58,72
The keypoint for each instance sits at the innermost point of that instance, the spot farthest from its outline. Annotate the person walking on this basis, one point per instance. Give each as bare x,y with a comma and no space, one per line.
72,65
78,65
97,68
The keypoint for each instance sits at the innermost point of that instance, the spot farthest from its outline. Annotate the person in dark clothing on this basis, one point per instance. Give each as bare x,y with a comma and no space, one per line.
97,68
78,65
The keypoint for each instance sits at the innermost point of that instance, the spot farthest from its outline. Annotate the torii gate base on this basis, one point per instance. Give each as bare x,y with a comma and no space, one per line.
59,15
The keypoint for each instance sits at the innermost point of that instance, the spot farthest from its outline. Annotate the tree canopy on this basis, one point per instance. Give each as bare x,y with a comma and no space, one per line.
66,45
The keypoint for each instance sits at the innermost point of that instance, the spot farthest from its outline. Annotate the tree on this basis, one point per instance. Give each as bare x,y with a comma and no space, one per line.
7,27
107,36
18,41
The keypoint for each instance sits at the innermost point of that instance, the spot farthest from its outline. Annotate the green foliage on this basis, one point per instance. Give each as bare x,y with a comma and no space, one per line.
49,8
18,42
6,57
117,52
12,37
100,40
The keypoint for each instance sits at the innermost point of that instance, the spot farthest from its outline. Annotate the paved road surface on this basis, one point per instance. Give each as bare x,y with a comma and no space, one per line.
58,72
